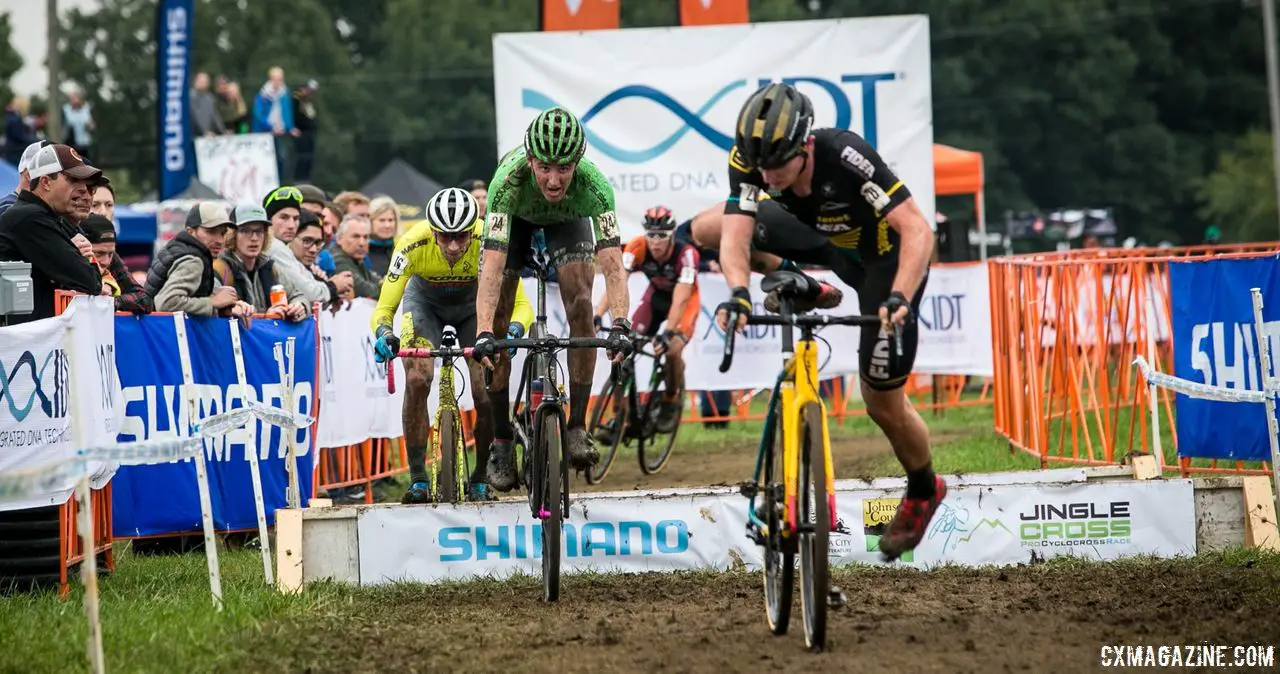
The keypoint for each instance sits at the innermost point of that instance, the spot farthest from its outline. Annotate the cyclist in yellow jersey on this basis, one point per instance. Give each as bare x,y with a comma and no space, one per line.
434,270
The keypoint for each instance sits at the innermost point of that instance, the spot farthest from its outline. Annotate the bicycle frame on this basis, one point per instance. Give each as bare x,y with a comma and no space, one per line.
449,402
797,386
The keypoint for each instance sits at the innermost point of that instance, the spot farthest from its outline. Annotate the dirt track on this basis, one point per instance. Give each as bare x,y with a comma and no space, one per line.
1040,619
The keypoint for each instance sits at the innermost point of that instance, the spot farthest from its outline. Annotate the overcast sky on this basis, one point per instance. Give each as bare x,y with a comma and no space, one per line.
29,29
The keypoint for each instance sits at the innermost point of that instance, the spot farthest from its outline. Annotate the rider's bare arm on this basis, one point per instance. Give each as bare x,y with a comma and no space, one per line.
687,277
917,242
615,280
735,249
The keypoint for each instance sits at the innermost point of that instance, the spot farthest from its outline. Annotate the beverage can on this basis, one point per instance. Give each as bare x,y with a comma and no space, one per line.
278,295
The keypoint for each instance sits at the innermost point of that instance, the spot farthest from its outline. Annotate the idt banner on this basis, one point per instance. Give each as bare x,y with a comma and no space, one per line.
162,498
175,20
1215,343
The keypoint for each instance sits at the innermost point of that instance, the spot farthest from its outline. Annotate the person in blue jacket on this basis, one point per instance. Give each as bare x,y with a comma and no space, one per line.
273,113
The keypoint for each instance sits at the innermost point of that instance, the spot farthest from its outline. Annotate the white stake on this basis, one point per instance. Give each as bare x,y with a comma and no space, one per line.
253,456
294,497
84,522
202,476
1269,386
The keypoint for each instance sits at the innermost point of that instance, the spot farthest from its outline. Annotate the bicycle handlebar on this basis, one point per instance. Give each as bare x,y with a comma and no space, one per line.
800,321
544,344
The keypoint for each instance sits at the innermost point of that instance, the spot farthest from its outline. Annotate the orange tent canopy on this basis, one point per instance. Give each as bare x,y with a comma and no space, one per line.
956,171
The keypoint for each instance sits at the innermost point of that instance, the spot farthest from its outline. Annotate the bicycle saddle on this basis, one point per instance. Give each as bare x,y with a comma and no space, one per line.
791,284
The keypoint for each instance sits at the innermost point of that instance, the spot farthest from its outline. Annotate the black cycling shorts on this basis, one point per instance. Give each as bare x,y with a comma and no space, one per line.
780,232
569,241
425,310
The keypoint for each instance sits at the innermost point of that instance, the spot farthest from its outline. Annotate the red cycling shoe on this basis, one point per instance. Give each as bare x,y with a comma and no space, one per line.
910,522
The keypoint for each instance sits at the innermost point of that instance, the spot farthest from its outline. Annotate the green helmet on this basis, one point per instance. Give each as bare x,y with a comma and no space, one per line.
555,137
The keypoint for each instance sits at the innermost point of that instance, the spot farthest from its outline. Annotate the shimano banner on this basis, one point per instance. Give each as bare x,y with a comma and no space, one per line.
661,130
174,24
1215,343
162,498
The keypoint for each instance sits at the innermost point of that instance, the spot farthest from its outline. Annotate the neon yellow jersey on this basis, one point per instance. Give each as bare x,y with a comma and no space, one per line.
418,254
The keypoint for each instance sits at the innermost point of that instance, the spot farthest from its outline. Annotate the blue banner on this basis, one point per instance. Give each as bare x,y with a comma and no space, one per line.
175,20
1215,343
163,498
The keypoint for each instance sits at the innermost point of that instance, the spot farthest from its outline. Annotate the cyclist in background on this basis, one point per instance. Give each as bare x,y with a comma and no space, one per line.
836,202
547,184
672,270
434,269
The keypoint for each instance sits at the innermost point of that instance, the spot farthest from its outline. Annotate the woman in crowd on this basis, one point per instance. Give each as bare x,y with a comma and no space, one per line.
243,266
385,216
17,132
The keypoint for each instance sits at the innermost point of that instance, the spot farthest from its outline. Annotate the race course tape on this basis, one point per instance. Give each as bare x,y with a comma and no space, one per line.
977,525
1197,389
22,483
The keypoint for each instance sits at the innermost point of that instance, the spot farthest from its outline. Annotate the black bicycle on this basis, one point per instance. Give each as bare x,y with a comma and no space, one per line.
539,424
622,413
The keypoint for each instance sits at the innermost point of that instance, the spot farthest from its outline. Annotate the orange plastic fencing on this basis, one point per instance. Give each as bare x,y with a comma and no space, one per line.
1066,328
70,548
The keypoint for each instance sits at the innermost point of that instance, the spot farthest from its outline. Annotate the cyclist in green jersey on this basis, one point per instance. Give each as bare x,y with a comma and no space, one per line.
547,185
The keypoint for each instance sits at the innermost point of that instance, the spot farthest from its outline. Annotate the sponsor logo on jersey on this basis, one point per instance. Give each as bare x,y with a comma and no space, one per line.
828,190
833,224
833,206
875,195
860,163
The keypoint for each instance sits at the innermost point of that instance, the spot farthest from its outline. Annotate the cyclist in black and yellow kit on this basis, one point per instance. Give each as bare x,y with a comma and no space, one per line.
834,202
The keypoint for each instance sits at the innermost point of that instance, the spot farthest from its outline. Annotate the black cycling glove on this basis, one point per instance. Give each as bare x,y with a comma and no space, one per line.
486,346
895,302
739,302
619,338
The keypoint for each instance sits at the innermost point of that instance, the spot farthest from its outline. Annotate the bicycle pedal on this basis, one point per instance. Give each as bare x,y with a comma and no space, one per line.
748,489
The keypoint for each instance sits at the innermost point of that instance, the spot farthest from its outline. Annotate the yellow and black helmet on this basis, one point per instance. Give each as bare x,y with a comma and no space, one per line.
773,125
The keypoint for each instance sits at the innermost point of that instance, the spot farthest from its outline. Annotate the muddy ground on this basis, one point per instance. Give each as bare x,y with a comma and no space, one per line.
1046,618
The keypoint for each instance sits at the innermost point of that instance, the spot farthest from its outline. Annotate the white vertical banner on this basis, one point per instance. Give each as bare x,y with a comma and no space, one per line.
661,131
98,396
242,168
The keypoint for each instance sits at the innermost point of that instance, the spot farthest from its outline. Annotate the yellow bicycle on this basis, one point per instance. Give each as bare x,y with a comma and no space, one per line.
798,512
447,451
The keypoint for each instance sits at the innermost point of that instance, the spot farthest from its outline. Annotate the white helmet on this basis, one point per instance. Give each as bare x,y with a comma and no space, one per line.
452,210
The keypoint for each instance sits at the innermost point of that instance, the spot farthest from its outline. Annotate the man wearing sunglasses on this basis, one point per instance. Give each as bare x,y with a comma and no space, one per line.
434,269
296,260
672,270
835,202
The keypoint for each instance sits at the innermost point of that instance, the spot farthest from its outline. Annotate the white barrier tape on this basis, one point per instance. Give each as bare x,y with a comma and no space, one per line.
276,416
146,451
1196,389
39,480
219,425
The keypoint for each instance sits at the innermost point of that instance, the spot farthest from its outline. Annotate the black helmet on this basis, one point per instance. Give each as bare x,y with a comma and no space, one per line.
773,125
659,219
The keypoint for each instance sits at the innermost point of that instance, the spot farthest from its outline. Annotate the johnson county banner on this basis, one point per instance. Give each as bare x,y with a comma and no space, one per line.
661,131
1214,343
162,498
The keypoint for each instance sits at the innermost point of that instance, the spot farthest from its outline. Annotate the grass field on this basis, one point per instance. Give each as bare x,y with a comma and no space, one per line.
157,613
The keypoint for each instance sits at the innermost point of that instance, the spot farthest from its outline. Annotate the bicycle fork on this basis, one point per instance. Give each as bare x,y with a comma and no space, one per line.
756,528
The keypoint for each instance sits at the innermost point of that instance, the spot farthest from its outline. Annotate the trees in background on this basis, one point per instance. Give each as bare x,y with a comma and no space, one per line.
1146,106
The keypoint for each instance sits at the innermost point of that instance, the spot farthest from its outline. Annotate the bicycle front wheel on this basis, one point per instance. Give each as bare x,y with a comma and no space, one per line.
815,528
608,417
447,443
779,552
546,479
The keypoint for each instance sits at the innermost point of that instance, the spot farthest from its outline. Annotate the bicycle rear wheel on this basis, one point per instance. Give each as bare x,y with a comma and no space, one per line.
815,521
655,458
446,477
547,486
779,554
608,412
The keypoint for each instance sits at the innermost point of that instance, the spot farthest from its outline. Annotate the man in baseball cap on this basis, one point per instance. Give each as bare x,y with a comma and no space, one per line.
39,229
182,277
24,175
